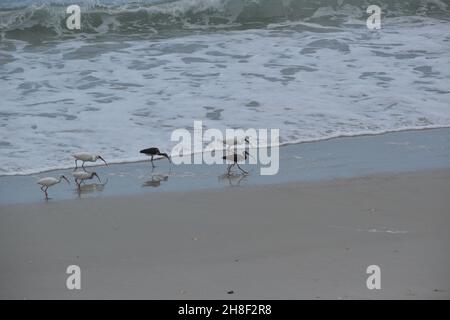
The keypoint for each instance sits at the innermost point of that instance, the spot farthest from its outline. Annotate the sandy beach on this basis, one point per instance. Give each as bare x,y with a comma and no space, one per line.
291,240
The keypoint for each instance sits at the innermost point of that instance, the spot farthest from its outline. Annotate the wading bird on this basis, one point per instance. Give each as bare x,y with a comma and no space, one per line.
48,182
151,152
233,142
80,176
236,158
86,157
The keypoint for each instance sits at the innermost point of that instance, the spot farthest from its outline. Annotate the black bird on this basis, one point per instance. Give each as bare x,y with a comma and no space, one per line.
236,158
151,152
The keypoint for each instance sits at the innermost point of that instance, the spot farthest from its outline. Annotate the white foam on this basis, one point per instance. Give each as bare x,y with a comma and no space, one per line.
311,86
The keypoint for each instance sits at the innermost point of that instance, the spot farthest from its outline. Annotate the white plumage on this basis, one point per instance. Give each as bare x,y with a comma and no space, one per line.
233,142
80,176
235,157
86,157
48,182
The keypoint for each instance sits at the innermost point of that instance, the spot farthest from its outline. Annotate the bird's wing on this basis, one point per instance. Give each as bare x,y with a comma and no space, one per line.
83,156
150,151
79,174
46,180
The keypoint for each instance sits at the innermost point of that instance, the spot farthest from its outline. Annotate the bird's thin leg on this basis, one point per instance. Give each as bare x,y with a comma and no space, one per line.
241,169
151,160
78,184
76,165
82,165
46,194
229,168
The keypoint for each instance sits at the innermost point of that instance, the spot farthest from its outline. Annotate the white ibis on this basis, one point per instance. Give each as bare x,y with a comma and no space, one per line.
151,152
48,182
86,157
80,176
233,142
236,158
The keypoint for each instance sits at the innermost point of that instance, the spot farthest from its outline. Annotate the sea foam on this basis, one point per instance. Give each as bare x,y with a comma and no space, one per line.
117,95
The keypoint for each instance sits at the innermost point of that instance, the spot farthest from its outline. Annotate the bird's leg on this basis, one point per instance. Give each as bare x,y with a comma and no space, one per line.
151,160
46,194
229,168
42,189
78,184
82,165
241,169
76,164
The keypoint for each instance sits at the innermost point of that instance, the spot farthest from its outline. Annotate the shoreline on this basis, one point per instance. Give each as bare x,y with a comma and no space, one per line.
405,151
140,160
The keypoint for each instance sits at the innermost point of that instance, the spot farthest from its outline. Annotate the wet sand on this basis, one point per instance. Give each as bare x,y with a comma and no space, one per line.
300,240
345,157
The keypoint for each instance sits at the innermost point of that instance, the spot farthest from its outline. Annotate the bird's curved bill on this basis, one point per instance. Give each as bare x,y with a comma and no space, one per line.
98,177
102,160
66,179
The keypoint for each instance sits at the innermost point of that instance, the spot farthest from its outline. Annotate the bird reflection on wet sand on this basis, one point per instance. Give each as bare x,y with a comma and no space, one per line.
233,179
156,180
91,188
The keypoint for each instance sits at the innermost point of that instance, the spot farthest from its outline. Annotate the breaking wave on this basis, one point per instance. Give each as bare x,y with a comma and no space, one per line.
44,18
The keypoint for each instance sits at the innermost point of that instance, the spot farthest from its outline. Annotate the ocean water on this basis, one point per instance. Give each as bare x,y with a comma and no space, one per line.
140,69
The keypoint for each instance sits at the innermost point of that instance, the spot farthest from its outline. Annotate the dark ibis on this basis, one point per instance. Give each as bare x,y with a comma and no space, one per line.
151,152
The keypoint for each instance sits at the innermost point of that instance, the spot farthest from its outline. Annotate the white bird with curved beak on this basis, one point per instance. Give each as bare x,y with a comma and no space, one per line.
80,176
234,142
86,157
48,182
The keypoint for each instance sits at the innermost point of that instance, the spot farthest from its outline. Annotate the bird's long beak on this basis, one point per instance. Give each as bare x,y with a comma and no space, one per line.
166,156
66,179
102,160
